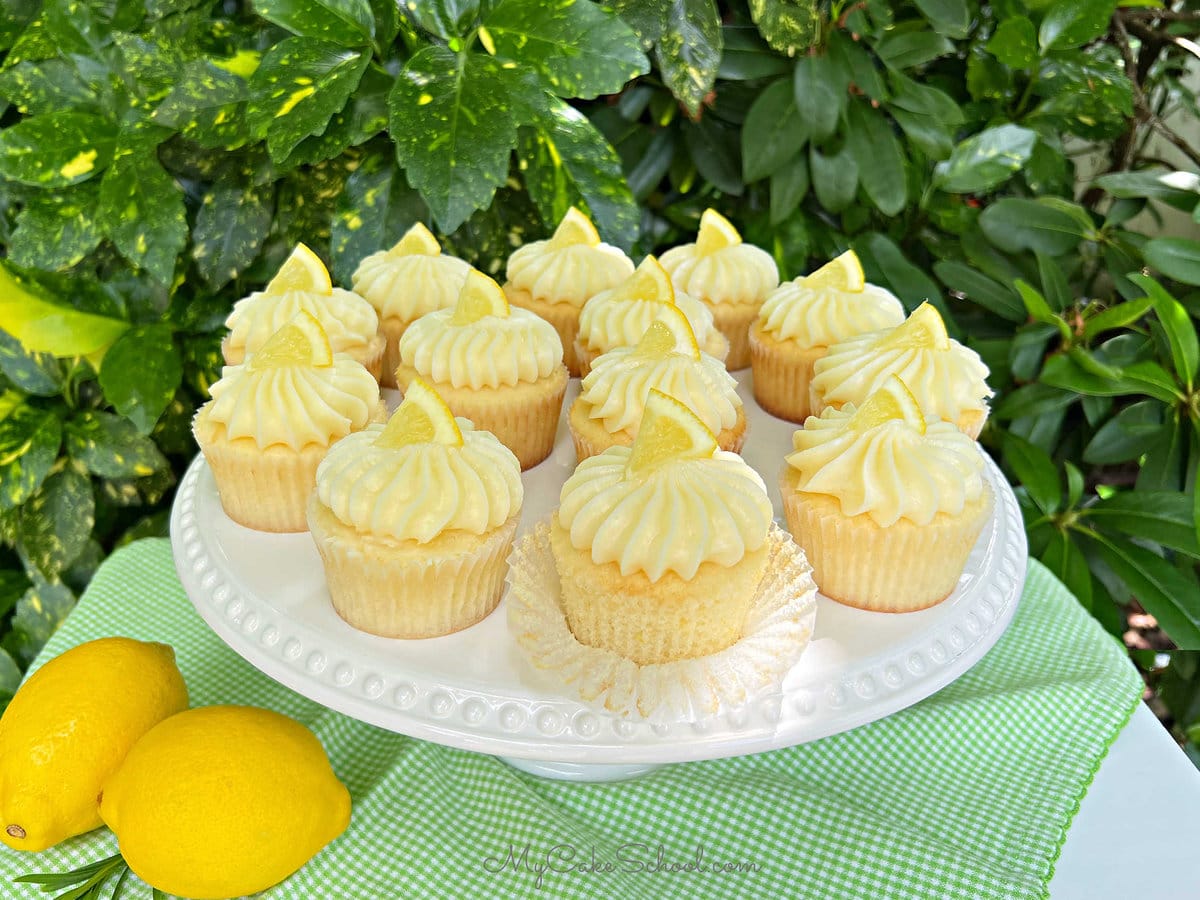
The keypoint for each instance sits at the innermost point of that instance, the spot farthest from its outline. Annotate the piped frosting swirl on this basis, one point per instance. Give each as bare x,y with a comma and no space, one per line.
821,317
412,278
349,320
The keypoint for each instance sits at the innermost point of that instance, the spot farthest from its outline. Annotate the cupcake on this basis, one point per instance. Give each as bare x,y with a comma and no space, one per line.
414,521
948,379
731,278
886,505
556,277
620,316
660,547
272,419
302,285
498,366
612,398
801,319
405,283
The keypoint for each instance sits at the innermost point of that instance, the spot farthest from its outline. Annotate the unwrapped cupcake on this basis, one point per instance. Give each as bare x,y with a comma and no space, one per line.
404,283
272,419
414,521
302,285
801,319
886,505
620,316
732,278
556,277
612,398
499,366
948,379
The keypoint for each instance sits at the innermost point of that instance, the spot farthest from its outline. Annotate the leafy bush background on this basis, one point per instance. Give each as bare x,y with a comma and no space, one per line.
160,159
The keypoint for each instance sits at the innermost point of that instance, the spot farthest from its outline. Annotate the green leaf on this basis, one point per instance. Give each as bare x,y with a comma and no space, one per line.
36,88
1178,326
447,19
909,49
1164,591
1036,471
979,288
1141,378
834,178
349,23
788,25
111,447
57,229
689,51
928,116
986,160
1090,98
298,87
746,56
56,149
44,327
454,124
853,65
29,442
1180,189
207,106
38,615
906,280
1032,400
56,522
233,221
1054,283
140,374
1070,23
1126,435
570,163
1075,484
1014,224
1177,258
1014,43
817,98
580,48
715,149
1039,310
141,210
773,133
789,184
10,674
948,17
39,374
880,160
363,117
1069,565
1164,517
1116,317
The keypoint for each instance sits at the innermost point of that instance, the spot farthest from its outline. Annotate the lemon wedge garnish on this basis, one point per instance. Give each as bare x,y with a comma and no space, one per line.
417,241
892,401
421,418
670,332
669,430
301,342
841,274
302,271
649,281
480,296
716,233
923,330
575,228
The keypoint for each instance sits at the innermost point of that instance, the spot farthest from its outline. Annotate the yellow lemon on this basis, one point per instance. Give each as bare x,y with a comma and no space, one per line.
892,401
923,330
716,233
669,430
301,342
480,296
223,801
417,241
575,228
422,418
670,332
844,273
68,728
649,281
302,271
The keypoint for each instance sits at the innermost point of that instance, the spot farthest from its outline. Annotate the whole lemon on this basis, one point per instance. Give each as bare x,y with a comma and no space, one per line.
222,801
69,726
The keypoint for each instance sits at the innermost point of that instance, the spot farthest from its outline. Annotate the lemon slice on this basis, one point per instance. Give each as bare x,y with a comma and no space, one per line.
575,228
301,342
716,233
649,281
669,430
670,332
480,296
302,271
923,330
417,241
841,274
422,418
892,401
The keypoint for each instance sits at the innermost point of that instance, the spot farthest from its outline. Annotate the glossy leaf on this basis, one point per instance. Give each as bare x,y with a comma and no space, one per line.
880,160
39,613
1069,23
1014,43
789,184
948,17
986,160
1115,317
817,98
1015,224
207,106
689,50
140,374
1180,189
39,374
29,442
1179,329
1036,472
1177,258
1163,591
788,25
56,149
747,56
1145,378
142,212
56,522
448,19
349,23
47,86
1164,517
907,281
1054,283
1067,562
10,675
715,149
909,49
773,133
1126,435
233,221
834,178
111,447
57,229
854,65
44,327
1039,310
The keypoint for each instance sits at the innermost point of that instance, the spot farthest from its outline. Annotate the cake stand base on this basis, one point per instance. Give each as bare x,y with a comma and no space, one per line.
565,771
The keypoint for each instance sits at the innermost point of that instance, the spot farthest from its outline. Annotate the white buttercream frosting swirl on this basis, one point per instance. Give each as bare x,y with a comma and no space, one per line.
821,317
611,319
350,321
409,285
567,274
741,273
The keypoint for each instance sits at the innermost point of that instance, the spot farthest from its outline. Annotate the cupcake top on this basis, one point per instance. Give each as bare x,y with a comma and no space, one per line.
946,378
421,475
669,503
619,316
882,459
294,391
302,285
666,359
831,304
482,342
718,267
571,267
411,279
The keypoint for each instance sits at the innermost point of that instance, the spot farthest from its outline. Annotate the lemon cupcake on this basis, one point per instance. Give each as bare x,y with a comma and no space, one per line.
948,379
406,282
801,319
612,398
620,316
498,366
886,505
556,277
730,277
661,547
414,521
272,419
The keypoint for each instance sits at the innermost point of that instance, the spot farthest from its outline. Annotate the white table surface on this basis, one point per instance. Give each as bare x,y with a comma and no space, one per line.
1137,833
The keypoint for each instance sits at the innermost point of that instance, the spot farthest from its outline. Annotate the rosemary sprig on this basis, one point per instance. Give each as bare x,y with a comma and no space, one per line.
84,883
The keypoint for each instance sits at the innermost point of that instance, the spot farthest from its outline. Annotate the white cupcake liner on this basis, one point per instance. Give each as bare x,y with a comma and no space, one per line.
778,628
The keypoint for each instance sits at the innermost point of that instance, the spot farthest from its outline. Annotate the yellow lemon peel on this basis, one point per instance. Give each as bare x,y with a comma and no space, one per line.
422,418
301,342
668,431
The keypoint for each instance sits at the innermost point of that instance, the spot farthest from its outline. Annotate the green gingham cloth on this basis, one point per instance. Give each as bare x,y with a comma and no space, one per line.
967,794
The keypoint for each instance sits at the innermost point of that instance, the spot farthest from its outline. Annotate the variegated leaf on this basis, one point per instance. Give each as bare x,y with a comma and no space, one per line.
141,210
56,149
29,442
110,446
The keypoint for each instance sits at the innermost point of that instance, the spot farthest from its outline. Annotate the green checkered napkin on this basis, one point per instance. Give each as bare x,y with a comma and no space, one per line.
968,794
